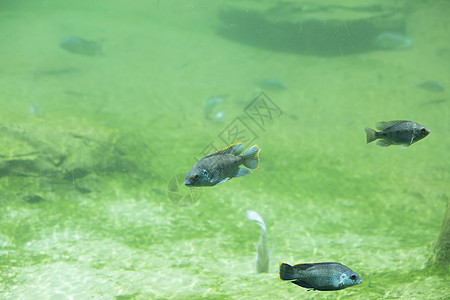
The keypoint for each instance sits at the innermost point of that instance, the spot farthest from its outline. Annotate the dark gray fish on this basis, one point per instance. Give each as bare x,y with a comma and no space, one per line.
326,276
33,198
431,86
81,46
223,165
398,132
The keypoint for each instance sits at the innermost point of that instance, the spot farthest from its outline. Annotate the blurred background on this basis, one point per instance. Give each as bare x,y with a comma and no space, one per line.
106,105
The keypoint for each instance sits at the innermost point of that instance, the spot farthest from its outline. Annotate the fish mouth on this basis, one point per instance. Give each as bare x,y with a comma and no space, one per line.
188,183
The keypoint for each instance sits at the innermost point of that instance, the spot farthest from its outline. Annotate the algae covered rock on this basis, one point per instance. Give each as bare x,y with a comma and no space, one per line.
43,157
441,255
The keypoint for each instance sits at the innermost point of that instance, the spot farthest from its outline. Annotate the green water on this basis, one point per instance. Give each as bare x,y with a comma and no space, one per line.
84,210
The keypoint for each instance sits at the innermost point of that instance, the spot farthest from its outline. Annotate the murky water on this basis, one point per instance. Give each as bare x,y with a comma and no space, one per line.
95,143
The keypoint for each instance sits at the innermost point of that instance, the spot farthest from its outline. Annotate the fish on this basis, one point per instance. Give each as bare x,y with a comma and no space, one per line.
262,250
324,276
399,132
224,164
431,86
211,108
35,109
81,46
271,84
437,101
392,41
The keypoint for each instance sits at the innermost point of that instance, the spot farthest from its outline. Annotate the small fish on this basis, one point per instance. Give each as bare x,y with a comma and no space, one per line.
437,101
325,276
262,250
392,41
399,132
270,84
81,46
223,165
211,111
431,86
35,109
33,198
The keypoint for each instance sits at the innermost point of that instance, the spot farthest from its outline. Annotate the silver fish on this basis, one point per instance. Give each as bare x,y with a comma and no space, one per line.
262,250
211,111
392,41
398,132
81,46
223,165
325,276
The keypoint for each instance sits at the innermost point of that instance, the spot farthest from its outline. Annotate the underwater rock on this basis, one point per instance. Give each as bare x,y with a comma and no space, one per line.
43,156
441,254
392,41
314,28
81,46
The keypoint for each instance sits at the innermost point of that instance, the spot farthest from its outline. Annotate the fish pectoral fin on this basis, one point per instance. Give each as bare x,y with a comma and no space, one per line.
242,172
302,284
223,180
383,143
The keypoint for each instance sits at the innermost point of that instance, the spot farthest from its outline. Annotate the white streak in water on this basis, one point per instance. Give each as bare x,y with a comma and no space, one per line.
262,250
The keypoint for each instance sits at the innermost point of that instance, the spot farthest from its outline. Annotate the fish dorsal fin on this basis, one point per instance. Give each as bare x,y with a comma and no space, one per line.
385,124
303,266
234,149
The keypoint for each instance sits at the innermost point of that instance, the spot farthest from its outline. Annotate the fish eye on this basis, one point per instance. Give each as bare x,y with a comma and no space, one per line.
353,277
195,176
423,130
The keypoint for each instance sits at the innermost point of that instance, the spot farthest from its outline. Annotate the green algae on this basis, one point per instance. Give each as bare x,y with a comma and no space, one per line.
127,122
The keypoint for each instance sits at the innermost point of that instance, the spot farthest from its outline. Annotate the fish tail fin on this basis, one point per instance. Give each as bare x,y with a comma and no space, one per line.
251,157
371,135
287,272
